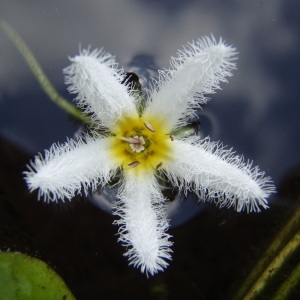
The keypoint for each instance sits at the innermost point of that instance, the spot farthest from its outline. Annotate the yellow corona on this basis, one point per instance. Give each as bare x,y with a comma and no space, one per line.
142,144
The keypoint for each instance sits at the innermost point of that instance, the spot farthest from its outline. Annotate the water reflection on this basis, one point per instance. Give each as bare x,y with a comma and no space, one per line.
256,113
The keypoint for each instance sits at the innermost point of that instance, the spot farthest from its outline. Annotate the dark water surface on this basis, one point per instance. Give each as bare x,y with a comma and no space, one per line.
257,113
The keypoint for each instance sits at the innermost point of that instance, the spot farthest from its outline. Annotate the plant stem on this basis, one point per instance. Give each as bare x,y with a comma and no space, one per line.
274,267
40,75
281,239
286,287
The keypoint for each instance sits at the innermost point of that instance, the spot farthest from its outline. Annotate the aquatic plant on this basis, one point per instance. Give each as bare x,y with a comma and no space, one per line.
136,139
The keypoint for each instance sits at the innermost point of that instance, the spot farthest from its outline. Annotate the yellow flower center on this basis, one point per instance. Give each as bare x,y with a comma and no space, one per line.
142,144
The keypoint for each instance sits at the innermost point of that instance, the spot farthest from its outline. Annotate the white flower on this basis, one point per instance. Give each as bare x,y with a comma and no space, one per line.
139,146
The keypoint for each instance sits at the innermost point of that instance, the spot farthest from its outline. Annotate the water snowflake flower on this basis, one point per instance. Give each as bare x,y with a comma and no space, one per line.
140,144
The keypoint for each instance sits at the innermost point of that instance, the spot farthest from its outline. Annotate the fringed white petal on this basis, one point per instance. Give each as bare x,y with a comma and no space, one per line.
218,175
143,223
196,71
71,168
94,76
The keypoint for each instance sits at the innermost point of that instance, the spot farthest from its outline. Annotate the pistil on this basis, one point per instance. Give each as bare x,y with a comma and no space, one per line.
138,147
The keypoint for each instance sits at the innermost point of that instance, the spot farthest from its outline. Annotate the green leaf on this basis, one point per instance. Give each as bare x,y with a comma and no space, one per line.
24,277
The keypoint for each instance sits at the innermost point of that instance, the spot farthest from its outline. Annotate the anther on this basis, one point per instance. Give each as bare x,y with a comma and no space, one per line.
134,164
130,140
159,166
172,137
149,126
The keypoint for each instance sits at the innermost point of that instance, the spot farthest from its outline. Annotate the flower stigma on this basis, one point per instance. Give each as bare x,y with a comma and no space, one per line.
138,147
136,144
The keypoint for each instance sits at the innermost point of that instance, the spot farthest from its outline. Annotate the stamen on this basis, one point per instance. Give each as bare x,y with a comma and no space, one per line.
159,166
172,137
134,164
149,127
129,140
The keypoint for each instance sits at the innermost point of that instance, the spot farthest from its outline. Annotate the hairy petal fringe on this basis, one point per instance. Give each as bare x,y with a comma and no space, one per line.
68,169
94,76
217,174
213,172
143,223
197,70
